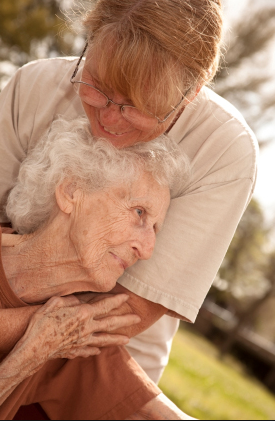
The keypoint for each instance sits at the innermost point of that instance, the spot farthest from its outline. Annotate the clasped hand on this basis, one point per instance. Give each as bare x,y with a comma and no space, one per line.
64,328
67,328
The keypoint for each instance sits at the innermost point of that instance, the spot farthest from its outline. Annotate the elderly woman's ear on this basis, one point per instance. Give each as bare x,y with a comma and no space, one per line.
67,195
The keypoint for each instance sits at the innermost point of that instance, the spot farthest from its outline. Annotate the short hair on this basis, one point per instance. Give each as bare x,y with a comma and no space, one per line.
69,151
149,50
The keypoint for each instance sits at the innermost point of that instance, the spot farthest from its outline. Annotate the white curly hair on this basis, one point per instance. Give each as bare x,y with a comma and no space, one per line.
69,151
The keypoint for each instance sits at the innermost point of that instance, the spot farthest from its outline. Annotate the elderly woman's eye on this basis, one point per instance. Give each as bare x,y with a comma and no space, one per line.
140,212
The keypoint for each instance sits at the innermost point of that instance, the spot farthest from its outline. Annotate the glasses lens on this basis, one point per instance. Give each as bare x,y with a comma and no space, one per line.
138,119
91,95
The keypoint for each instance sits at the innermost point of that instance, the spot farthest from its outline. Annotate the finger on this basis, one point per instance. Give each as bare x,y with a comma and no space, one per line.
103,307
90,297
103,340
117,322
83,352
71,301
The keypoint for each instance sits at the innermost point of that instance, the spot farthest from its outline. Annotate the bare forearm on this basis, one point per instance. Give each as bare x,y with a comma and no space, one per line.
149,312
10,378
13,324
5,390
14,370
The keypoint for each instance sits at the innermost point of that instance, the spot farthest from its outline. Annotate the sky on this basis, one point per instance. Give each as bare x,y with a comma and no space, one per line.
233,8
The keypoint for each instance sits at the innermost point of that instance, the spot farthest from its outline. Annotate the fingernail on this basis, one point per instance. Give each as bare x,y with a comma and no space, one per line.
125,341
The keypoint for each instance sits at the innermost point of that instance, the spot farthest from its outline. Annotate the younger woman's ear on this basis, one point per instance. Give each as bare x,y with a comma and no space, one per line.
64,195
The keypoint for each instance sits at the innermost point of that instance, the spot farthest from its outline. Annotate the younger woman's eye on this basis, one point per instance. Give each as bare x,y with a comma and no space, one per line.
93,82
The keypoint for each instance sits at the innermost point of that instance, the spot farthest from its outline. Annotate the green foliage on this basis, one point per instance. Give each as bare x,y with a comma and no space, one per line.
247,75
206,388
270,269
246,251
245,265
26,23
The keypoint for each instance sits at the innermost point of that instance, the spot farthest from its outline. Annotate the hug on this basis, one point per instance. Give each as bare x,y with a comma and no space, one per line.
84,211
102,223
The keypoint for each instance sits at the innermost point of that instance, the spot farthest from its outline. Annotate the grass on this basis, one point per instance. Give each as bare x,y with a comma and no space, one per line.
207,388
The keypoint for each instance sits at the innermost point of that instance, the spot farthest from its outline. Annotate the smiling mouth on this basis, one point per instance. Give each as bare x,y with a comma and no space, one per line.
113,133
122,263
105,129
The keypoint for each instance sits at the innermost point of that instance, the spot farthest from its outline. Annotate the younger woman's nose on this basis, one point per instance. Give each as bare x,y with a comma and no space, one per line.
111,116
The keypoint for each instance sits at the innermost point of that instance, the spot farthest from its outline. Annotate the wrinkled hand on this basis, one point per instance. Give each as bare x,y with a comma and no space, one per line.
95,297
65,328
148,311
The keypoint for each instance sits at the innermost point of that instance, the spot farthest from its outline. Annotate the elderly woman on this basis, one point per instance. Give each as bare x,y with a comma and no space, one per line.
147,64
85,212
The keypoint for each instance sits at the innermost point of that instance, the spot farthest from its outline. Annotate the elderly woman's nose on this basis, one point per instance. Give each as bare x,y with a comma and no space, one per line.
146,244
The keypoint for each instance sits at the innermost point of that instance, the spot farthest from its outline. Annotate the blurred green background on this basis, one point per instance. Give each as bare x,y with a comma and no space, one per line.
224,366
206,387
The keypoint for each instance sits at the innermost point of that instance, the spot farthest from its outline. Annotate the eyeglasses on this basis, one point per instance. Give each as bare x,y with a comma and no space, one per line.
98,99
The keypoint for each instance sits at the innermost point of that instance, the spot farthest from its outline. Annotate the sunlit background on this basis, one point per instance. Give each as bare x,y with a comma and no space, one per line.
224,366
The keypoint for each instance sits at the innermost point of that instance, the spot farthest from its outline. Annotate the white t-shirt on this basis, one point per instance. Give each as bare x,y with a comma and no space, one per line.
200,224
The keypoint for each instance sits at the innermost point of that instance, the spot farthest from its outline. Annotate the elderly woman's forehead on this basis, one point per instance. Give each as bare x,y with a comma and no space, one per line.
144,188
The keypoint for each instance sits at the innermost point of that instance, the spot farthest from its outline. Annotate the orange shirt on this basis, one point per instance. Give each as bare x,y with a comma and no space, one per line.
111,386
7,297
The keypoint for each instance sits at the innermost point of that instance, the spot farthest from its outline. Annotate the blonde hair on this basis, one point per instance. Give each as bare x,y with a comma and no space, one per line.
150,50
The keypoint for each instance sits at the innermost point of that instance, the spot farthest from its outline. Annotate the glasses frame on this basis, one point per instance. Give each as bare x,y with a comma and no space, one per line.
122,106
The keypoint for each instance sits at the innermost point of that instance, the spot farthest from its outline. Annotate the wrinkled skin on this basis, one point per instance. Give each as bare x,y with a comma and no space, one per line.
109,118
67,328
63,328
89,242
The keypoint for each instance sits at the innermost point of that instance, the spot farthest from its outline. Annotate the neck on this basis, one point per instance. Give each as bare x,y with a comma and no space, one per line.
43,265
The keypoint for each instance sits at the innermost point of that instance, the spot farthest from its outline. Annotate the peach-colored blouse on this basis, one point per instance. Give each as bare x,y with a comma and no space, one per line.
109,387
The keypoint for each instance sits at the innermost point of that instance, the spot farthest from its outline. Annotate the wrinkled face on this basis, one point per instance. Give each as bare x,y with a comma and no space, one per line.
114,228
108,122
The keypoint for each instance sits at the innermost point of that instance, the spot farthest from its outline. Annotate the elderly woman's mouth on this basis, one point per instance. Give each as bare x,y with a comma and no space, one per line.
124,265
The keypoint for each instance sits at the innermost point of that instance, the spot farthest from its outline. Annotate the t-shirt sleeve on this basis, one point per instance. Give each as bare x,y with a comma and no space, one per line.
11,150
200,225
